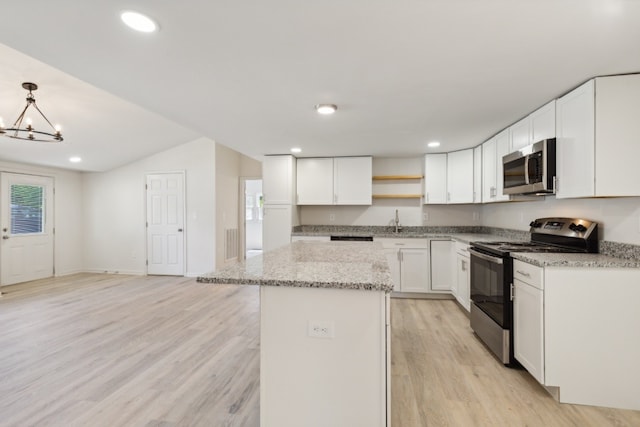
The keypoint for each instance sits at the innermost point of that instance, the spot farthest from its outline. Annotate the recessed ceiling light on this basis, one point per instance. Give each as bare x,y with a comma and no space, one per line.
138,21
326,108
296,150
75,159
433,144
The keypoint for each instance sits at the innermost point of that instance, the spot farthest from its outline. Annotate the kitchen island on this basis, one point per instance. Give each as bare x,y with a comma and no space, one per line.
324,342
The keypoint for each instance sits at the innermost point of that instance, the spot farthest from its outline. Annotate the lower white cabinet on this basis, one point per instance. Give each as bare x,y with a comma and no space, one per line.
409,264
310,238
276,226
463,276
441,265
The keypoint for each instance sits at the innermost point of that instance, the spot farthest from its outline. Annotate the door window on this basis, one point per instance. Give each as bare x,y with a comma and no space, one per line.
27,209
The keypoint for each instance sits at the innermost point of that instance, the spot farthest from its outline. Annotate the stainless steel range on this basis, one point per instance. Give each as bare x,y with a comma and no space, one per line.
492,275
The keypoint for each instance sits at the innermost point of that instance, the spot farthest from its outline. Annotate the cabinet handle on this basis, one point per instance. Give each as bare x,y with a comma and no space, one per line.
555,185
335,198
463,265
398,256
523,273
426,196
448,196
512,292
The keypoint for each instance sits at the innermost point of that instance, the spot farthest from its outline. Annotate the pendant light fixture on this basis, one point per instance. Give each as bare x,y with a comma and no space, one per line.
28,132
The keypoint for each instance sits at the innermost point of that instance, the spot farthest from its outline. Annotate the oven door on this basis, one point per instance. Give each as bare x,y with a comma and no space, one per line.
488,287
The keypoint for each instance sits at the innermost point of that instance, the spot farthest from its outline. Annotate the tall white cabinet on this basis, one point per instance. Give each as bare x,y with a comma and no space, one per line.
492,181
460,176
279,211
435,178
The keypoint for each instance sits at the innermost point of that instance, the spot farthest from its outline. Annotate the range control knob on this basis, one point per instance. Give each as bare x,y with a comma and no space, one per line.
579,228
535,224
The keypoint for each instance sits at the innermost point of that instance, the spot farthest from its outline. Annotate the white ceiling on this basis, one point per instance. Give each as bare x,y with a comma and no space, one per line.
247,74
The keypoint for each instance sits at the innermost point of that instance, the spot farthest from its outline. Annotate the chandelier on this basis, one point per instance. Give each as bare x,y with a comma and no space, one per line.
27,132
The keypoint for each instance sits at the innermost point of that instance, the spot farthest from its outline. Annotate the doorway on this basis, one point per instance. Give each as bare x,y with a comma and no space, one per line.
26,221
165,224
253,215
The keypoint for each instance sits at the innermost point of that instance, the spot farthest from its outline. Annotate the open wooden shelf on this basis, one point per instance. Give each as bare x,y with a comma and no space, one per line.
395,177
397,196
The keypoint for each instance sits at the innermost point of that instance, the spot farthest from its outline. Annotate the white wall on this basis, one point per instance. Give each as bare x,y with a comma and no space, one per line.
618,218
68,214
114,208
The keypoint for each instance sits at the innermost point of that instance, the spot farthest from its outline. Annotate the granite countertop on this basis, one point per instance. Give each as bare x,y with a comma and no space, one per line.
575,260
312,264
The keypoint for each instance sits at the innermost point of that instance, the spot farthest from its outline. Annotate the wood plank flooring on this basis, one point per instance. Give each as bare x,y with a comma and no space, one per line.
106,350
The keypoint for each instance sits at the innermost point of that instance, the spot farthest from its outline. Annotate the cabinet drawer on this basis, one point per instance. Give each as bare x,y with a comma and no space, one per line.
528,273
462,248
402,243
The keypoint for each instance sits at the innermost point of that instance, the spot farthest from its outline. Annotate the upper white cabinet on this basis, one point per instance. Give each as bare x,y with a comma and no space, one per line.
460,175
520,134
352,180
539,125
334,181
543,122
597,139
477,174
435,179
315,181
492,181
278,174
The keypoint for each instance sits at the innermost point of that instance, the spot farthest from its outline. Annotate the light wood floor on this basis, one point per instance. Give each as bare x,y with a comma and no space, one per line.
103,350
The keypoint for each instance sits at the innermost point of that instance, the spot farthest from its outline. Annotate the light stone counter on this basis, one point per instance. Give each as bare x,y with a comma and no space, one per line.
575,260
311,264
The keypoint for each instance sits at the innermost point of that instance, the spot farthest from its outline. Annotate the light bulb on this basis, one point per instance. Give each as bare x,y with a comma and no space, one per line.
28,121
58,128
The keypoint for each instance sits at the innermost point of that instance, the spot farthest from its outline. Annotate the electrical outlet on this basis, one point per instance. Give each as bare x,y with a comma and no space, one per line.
320,329
332,217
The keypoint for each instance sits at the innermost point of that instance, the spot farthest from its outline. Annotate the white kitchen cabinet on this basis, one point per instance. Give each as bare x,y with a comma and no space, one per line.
409,263
334,181
441,265
435,179
352,180
520,134
276,226
492,180
477,174
528,318
597,139
543,122
463,275
278,179
460,176
539,125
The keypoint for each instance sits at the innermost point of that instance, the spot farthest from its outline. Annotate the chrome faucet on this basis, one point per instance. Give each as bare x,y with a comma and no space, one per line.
397,222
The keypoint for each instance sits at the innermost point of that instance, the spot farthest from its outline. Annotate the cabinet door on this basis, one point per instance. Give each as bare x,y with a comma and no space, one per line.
393,258
460,176
575,143
442,265
314,180
502,149
435,179
543,122
528,328
414,270
463,281
477,174
520,134
352,180
489,171
276,226
277,179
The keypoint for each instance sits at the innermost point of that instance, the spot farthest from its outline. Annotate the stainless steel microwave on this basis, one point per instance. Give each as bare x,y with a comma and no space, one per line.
531,170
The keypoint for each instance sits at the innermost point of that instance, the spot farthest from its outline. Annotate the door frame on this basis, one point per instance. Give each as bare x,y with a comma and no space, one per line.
53,213
184,215
242,206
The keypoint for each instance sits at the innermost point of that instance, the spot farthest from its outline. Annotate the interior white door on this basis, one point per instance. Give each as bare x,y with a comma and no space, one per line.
26,248
165,224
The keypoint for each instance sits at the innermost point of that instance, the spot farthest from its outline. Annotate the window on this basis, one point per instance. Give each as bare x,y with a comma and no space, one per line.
27,209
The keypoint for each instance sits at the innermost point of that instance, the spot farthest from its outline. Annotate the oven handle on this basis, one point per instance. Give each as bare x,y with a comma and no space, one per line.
492,259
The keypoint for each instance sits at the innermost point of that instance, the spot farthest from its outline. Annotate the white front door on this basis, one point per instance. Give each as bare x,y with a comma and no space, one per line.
26,222
165,224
